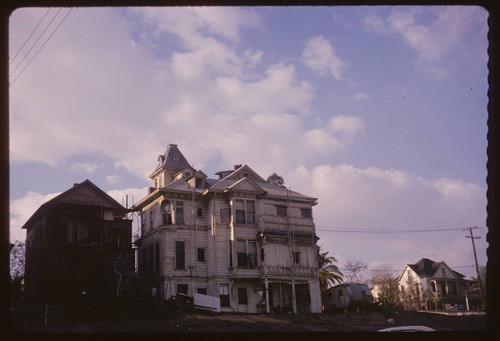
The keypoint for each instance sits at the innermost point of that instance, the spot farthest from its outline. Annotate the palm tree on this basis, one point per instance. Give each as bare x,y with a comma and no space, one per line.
328,273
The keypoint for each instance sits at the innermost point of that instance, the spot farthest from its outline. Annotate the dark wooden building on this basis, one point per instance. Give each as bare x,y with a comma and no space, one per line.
78,248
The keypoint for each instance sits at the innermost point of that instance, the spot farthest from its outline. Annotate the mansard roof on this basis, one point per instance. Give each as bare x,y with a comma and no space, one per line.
242,178
172,158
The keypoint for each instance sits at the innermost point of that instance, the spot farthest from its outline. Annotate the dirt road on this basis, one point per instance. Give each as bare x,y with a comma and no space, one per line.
281,323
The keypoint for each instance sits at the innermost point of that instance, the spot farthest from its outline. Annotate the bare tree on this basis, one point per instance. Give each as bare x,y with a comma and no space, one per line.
385,286
354,270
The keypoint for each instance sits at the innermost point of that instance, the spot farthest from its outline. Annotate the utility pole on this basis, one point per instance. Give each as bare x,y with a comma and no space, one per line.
475,258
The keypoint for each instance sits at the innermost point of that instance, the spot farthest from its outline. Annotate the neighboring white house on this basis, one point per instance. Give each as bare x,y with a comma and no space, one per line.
237,237
427,280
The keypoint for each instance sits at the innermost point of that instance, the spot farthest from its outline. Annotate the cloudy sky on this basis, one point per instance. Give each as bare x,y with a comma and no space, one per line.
379,112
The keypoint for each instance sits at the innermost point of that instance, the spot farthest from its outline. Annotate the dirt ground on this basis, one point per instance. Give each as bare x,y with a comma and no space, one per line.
280,323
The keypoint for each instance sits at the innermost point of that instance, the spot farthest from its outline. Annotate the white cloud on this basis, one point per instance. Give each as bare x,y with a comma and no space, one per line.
360,96
319,55
86,167
22,209
449,34
378,199
112,179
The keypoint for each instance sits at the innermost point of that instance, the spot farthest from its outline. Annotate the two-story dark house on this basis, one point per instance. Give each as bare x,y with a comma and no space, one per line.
78,247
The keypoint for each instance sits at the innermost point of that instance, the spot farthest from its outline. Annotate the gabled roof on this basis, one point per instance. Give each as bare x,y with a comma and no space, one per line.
427,267
84,193
172,158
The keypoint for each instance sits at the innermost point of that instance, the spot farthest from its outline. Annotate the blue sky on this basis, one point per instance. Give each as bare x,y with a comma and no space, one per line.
379,112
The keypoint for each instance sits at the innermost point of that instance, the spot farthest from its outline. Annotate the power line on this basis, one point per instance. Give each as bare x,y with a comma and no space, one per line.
346,230
36,41
27,39
29,62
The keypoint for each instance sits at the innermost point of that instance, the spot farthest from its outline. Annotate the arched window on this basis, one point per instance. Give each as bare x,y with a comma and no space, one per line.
166,212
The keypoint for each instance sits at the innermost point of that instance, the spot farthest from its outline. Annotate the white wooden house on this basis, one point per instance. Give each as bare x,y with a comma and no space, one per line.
427,280
236,237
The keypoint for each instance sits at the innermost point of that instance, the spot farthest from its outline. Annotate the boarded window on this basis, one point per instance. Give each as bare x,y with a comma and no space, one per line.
180,262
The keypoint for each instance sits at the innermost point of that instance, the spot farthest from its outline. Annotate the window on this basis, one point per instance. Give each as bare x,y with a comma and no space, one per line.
306,212
182,289
202,291
166,212
245,211
246,251
199,183
180,262
242,296
296,257
199,212
179,213
281,211
151,218
201,255
224,295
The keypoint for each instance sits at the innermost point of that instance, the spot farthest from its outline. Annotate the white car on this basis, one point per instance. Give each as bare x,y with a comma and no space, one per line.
407,329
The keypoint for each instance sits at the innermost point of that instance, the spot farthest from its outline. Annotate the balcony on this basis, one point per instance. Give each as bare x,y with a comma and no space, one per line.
288,271
244,273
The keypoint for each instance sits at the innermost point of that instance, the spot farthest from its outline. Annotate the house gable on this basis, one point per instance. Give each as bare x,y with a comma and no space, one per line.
244,171
245,185
84,193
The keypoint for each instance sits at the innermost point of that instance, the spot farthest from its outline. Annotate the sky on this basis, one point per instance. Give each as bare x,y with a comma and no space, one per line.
380,112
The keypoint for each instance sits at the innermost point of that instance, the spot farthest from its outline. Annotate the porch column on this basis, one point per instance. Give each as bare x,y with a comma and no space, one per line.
294,301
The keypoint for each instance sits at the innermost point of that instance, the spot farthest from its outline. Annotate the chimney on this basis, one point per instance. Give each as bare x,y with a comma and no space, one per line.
236,167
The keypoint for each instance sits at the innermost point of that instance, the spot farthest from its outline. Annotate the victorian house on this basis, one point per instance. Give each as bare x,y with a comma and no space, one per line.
237,237
428,281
